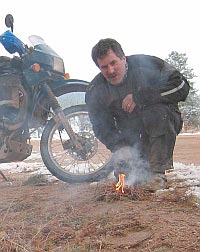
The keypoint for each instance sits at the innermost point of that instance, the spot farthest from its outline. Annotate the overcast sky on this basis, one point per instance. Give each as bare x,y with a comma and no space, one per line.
72,27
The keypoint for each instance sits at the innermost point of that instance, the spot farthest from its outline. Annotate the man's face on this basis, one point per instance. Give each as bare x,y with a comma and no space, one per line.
112,67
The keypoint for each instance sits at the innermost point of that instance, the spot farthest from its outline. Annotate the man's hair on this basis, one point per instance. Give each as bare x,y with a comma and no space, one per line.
103,46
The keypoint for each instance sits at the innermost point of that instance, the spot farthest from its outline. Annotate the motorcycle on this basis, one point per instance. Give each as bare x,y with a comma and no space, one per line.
31,87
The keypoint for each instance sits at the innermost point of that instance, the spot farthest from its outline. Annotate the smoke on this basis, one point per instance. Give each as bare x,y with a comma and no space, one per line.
129,160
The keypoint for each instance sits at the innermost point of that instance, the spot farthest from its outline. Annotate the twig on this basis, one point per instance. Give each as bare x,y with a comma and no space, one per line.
18,245
100,246
5,215
11,204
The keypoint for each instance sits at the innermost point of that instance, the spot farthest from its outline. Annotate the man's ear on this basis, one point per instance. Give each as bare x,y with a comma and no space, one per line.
124,58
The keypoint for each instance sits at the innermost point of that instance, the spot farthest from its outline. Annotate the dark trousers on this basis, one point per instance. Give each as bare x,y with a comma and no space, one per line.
161,124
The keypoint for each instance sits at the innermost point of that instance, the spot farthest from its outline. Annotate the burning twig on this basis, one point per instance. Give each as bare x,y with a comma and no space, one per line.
120,183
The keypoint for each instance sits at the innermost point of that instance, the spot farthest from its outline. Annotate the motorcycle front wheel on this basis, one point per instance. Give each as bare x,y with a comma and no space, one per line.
63,160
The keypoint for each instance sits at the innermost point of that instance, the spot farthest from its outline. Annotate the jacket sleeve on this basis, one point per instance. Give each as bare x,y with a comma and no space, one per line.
103,123
176,89
169,86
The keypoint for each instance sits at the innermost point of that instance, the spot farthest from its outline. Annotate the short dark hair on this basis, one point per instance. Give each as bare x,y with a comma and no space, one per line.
102,47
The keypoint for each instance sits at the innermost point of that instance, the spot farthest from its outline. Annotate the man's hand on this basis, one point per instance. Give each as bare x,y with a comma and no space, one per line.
128,103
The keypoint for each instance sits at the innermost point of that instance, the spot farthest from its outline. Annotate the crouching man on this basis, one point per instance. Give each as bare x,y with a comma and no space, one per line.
133,101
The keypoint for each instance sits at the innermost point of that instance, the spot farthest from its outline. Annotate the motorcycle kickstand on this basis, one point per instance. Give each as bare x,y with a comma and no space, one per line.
4,176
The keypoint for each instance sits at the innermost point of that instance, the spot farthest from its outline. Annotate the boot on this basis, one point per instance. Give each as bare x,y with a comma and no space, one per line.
157,181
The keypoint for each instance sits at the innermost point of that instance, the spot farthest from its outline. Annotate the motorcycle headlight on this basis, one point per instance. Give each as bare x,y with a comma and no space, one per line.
58,65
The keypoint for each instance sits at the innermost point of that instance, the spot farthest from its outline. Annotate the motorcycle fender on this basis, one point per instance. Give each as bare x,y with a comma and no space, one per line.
61,87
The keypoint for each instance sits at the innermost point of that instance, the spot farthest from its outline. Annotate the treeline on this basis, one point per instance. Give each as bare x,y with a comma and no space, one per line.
191,107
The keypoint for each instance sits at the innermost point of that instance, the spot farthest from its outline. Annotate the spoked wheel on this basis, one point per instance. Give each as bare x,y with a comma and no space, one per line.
61,157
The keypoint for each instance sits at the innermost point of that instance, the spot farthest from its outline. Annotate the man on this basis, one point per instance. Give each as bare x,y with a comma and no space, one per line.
134,101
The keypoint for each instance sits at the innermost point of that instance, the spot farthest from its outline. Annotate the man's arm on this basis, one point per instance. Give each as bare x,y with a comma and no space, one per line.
169,85
103,124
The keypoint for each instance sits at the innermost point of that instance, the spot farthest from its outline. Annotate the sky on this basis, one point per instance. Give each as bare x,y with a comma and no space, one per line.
73,27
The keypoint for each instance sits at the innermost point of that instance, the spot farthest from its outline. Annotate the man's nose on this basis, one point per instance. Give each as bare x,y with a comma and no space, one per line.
110,69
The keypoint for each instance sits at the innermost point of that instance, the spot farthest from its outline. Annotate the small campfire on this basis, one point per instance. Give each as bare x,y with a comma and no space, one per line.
120,191
120,184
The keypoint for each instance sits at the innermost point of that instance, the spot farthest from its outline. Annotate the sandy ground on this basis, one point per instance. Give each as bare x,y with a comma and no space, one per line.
187,149
60,217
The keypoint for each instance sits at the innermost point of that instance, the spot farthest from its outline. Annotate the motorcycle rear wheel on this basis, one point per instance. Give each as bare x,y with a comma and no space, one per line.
63,161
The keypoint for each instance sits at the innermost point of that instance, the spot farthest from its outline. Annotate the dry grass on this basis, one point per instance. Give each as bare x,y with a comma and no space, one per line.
80,218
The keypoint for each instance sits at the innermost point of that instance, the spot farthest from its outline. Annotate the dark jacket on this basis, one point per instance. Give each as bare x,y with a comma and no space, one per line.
149,79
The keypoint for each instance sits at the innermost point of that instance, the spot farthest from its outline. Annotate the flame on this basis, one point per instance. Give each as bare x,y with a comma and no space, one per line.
120,184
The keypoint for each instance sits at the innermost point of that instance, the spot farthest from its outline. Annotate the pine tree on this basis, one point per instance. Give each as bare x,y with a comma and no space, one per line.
191,107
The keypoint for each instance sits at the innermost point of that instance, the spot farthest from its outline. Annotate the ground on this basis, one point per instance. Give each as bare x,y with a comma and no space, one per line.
60,217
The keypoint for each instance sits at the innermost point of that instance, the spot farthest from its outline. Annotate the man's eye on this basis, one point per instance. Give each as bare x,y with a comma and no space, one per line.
113,63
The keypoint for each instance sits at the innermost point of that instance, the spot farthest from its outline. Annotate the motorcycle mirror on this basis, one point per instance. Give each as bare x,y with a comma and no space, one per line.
9,20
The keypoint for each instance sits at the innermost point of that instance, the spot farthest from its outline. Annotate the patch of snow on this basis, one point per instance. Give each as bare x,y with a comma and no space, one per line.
189,133
183,175
187,176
